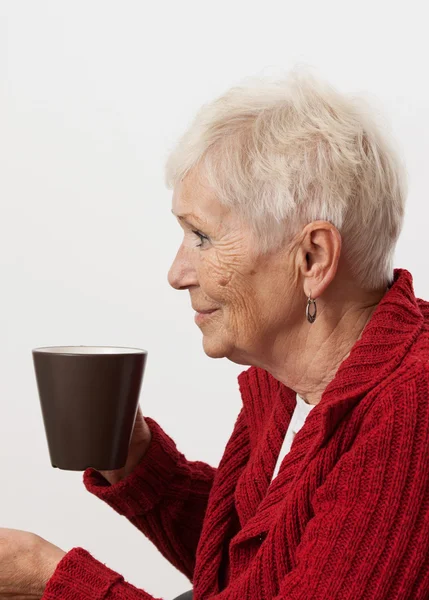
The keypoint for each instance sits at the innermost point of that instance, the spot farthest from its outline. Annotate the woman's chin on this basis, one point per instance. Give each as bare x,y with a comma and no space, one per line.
214,347
213,351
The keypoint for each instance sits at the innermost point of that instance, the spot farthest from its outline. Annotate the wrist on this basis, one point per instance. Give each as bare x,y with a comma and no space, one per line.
49,556
135,457
136,454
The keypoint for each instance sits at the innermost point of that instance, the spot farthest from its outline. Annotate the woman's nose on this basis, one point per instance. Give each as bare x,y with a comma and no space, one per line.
182,274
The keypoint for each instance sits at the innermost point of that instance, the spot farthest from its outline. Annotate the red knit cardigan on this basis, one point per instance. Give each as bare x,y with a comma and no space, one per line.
347,518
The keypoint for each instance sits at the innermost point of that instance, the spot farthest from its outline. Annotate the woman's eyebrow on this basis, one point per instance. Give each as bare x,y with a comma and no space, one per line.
184,217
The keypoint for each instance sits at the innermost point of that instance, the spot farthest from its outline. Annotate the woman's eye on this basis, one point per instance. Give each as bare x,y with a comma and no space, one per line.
203,238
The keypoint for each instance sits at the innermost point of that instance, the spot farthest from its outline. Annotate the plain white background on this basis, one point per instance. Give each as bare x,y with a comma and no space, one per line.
92,97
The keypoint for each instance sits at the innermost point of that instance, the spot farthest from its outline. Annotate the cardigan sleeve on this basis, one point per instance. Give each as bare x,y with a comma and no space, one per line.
79,576
369,537
165,497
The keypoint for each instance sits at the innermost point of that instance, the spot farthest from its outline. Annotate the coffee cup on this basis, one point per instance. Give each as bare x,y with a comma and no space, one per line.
89,399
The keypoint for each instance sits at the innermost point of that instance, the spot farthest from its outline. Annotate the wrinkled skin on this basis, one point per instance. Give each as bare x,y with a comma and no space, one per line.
227,273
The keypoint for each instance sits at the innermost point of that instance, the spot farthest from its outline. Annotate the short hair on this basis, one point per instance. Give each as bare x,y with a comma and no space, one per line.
289,151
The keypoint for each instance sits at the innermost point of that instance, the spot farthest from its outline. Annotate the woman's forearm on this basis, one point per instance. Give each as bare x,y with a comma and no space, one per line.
165,496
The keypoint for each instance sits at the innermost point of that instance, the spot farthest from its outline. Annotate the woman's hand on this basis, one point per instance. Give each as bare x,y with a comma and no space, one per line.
27,562
139,444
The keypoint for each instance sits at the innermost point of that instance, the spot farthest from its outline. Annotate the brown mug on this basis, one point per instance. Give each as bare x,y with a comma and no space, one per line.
89,398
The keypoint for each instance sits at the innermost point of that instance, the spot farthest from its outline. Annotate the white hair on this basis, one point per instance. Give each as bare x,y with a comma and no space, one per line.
286,152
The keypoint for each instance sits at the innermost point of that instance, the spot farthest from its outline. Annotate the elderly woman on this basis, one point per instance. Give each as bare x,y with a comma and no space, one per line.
291,202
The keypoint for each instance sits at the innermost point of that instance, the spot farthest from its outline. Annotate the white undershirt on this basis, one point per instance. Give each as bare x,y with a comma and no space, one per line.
301,412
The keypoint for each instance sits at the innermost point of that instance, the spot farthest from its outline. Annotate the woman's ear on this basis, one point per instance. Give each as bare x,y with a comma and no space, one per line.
321,247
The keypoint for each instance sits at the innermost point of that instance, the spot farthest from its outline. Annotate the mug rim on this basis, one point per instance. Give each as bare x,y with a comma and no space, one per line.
72,350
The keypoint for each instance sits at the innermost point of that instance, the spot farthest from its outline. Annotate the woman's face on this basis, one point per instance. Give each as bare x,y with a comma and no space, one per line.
242,300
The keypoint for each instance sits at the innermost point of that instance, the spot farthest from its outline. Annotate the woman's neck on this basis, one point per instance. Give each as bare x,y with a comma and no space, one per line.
307,360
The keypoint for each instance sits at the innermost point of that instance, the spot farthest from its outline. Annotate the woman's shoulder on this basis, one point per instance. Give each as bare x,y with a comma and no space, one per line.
418,353
403,397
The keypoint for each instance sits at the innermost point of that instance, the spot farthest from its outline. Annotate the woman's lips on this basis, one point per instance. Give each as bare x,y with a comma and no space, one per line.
200,317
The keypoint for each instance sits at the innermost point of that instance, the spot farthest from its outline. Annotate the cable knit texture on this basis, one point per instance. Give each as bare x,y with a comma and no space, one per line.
347,517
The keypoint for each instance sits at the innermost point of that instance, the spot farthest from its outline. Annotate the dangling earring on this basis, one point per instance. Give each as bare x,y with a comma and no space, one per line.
311,317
